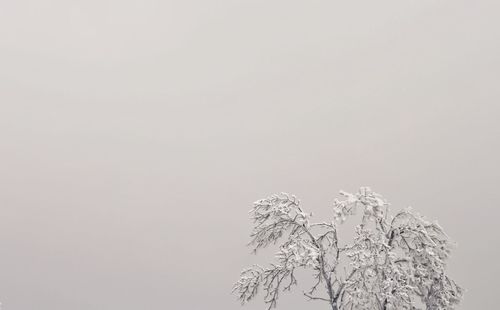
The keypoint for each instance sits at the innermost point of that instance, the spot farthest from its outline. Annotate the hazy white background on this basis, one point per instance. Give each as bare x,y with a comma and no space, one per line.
134,136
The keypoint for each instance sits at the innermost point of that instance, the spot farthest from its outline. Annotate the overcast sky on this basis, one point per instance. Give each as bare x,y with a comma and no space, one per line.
134,136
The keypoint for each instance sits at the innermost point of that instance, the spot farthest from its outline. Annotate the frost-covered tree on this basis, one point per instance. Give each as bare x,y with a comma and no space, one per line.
394,262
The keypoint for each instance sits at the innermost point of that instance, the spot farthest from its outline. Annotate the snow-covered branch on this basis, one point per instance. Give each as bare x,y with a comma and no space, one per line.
394,262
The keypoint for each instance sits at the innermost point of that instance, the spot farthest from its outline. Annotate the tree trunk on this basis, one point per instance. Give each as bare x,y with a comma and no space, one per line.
334,306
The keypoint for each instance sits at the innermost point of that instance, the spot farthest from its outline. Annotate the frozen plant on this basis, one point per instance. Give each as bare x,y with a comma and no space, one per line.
394,262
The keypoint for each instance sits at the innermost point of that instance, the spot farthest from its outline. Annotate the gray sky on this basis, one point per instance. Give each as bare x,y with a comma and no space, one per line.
134,136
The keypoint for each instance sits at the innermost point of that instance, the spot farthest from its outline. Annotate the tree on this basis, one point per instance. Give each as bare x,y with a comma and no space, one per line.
394,262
